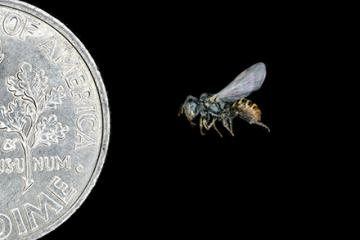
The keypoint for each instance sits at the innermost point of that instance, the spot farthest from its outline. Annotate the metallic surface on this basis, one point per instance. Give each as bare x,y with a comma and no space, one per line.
54,122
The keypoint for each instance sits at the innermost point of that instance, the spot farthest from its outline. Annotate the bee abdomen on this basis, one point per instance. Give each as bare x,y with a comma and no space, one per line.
247,110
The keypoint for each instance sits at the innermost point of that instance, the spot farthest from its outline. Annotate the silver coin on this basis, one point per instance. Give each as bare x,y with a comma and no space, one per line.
54,122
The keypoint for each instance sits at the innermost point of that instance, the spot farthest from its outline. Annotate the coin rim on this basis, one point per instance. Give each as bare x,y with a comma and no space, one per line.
83,52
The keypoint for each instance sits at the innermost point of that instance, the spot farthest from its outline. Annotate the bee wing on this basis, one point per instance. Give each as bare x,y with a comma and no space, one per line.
245,83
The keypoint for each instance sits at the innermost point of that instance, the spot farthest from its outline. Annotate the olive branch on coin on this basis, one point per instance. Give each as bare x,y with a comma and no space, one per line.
32,96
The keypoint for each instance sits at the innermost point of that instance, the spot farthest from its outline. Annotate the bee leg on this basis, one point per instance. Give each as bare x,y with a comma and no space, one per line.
212,124
227,122
216,129
261,124
201,126
205,124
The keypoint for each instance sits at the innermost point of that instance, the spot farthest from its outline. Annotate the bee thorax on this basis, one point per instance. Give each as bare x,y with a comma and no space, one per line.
247,110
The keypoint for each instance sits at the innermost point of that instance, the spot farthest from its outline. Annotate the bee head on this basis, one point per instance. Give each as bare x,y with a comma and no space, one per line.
204,96
190,107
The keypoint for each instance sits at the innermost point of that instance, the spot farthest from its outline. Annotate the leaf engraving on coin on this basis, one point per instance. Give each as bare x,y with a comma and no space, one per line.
54,122
24,116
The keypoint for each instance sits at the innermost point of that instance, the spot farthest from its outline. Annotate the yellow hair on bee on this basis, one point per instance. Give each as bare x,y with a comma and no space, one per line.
248,110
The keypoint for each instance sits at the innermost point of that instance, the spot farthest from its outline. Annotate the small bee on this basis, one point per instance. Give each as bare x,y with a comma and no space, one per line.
228,103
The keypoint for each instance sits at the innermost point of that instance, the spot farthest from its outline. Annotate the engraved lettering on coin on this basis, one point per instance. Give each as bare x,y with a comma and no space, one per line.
12,24
16,25
38,164
54,122
5,226
40,211
62,190
19,221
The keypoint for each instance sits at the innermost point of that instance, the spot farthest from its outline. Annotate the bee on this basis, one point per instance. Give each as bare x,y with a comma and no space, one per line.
229,103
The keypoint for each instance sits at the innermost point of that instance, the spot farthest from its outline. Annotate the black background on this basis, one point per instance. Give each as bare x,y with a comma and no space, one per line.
161,177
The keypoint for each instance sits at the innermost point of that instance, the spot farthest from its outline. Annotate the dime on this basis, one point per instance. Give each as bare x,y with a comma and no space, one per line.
54,122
